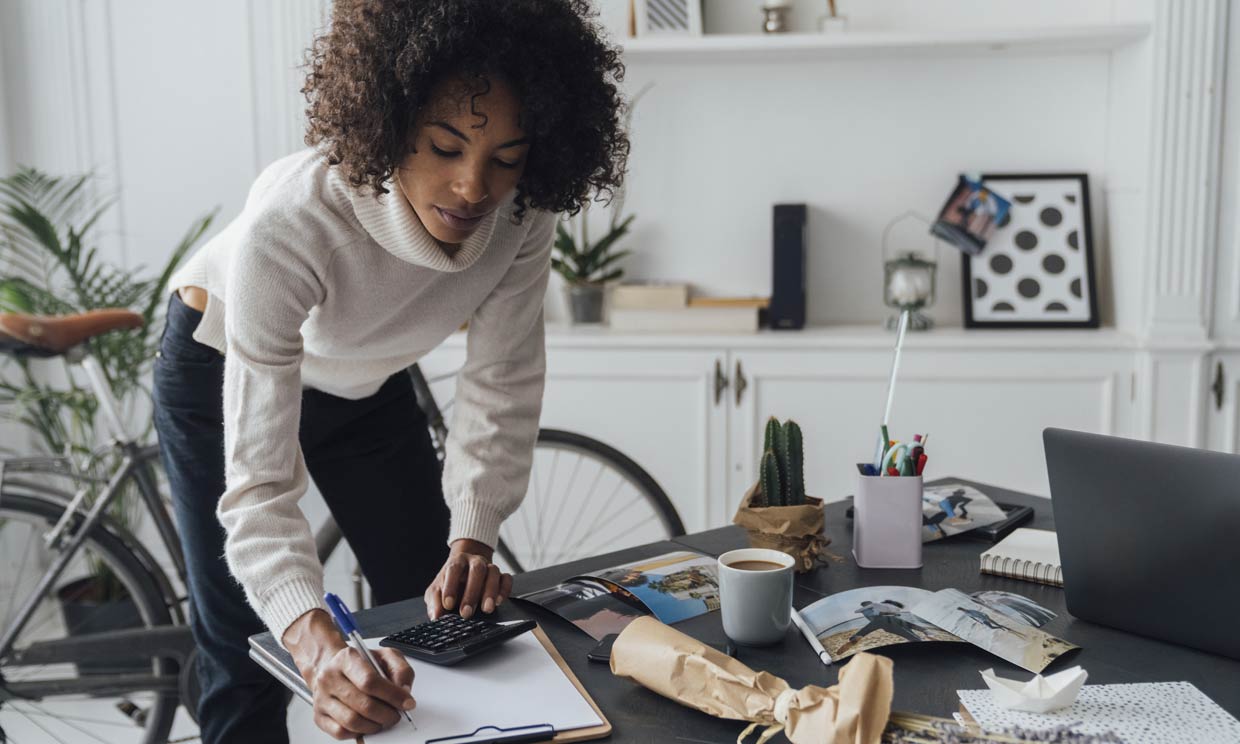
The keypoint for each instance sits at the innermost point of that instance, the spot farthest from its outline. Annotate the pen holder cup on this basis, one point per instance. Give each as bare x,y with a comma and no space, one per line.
887,521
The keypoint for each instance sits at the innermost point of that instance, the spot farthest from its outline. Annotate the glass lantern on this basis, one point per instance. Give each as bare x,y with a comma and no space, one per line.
908,279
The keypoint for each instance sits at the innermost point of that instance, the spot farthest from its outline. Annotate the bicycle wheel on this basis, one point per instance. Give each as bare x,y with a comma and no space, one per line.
584,498
105,587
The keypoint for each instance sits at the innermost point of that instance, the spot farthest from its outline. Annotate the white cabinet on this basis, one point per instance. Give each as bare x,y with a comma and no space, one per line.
691,409
657,405
984,410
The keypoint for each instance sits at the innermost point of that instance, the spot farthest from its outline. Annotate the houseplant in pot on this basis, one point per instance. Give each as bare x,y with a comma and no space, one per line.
586,267
776,512
49,266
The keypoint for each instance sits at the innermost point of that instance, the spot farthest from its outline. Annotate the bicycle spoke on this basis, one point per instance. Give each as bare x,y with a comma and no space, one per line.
623,533
601,518
572,530
41,711
568,492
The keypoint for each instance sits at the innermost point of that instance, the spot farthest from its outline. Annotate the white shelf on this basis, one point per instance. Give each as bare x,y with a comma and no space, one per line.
860,44
840,337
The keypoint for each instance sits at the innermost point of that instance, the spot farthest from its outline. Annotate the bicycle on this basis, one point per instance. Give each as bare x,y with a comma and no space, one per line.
120,668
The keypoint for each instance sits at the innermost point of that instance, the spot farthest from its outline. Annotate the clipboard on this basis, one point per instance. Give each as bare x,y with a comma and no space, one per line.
539,732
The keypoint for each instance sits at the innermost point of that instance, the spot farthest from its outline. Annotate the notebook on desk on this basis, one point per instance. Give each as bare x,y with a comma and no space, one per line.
1026,554
523,691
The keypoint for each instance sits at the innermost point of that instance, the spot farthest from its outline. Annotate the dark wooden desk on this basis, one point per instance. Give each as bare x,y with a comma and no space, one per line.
927,675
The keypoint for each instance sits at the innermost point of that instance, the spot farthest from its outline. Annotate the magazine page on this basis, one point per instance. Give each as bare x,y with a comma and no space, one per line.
877,616
672,587
951,508
995,631
595,607
869,618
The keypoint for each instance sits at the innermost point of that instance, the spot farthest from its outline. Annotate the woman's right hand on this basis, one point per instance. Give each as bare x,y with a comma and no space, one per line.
350,697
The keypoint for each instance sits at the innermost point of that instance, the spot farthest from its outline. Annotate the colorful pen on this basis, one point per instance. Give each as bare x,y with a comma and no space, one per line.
344,619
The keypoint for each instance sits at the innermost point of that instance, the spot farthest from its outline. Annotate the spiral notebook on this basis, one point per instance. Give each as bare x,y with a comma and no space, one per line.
1026,554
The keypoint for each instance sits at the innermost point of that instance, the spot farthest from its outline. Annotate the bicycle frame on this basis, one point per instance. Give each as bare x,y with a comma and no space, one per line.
134,459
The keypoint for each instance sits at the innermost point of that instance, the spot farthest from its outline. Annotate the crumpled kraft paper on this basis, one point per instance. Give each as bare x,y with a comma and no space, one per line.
795,530
680,668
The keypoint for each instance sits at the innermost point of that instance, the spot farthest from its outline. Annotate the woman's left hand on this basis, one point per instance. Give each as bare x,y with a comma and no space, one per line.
468,580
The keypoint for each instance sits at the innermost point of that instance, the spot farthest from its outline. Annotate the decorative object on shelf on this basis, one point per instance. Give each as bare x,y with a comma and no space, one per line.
970,215
908,278
775,16
680,668
668,17
587,267
775,511
832,22
1038,270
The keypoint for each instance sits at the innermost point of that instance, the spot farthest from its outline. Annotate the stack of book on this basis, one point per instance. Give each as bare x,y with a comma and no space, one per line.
667,307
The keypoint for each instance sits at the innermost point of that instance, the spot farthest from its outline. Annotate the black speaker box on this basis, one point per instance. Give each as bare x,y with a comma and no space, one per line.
787,310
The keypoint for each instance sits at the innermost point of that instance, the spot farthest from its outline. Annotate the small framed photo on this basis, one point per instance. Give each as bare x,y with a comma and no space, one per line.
969,217
668,17
1037,269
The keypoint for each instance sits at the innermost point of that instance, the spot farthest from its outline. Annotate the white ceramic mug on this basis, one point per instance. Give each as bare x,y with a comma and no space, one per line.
756,605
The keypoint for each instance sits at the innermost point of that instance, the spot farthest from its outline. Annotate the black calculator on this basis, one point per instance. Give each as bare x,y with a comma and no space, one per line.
452,638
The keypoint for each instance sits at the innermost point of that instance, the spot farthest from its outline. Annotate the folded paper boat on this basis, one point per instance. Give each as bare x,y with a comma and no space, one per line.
1038,695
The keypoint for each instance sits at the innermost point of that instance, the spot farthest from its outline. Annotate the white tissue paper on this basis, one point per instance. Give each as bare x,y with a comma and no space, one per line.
1038,695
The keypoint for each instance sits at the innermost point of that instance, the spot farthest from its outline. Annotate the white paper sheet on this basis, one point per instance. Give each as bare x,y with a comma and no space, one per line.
1146,713
517,684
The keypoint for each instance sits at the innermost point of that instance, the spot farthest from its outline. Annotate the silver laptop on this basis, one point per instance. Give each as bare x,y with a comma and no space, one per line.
1149,537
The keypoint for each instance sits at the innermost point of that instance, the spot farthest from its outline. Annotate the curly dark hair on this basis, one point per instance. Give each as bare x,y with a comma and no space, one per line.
372,73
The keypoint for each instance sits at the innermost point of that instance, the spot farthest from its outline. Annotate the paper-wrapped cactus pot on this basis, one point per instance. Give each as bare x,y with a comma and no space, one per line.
776,512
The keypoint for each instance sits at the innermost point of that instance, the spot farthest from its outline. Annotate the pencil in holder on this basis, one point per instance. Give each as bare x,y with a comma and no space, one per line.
887,521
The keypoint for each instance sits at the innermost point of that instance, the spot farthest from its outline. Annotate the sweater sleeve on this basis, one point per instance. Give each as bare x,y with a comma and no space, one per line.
269,545
499,395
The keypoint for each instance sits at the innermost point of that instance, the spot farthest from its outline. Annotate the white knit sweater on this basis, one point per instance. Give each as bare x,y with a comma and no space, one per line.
316,284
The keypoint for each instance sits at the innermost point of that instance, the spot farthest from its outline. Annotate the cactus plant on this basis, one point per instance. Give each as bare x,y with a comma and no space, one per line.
782,467
772,488
794,474
772,431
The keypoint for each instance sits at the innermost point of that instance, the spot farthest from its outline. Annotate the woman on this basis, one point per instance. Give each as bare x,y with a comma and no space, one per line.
446,136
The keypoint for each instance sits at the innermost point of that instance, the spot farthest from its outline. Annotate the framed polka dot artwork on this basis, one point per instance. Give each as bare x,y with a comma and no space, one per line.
1037,270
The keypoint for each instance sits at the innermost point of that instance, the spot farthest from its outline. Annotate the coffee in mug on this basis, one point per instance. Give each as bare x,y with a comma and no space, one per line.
755,565
755,593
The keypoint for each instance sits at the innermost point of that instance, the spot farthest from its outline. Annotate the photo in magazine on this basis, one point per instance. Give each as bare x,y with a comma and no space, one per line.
672,587
874,617
952,508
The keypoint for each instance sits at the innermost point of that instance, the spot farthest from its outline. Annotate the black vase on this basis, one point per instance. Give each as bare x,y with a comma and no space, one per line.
87,610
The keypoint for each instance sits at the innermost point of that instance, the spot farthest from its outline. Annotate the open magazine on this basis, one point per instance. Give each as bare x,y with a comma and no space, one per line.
1002,623
672,587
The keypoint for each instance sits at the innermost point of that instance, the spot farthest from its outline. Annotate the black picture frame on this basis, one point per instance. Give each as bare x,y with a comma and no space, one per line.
1086,232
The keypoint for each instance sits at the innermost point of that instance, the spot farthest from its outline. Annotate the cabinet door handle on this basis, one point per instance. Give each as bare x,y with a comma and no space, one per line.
741,382
721,381
1218,387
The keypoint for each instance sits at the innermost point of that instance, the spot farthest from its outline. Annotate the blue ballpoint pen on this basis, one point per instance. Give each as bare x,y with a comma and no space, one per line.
344,619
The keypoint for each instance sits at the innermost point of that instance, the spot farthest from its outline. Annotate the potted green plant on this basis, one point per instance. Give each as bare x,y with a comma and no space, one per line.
587,267
775,511
48,266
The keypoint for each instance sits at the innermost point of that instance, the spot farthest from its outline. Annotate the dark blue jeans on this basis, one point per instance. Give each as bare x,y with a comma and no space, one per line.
374,463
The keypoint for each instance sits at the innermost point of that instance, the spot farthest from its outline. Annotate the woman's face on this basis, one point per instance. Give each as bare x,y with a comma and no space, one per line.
461,170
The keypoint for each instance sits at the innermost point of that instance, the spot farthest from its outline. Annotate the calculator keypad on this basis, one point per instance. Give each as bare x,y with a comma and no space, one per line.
446,632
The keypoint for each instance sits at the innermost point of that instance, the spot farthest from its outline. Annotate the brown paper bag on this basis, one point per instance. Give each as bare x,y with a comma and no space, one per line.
795,530
680,668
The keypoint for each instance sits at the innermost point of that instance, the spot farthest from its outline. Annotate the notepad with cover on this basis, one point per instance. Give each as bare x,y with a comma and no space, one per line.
1026,554
528,689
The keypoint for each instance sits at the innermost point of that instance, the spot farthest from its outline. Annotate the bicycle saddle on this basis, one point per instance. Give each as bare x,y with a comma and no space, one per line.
46,336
